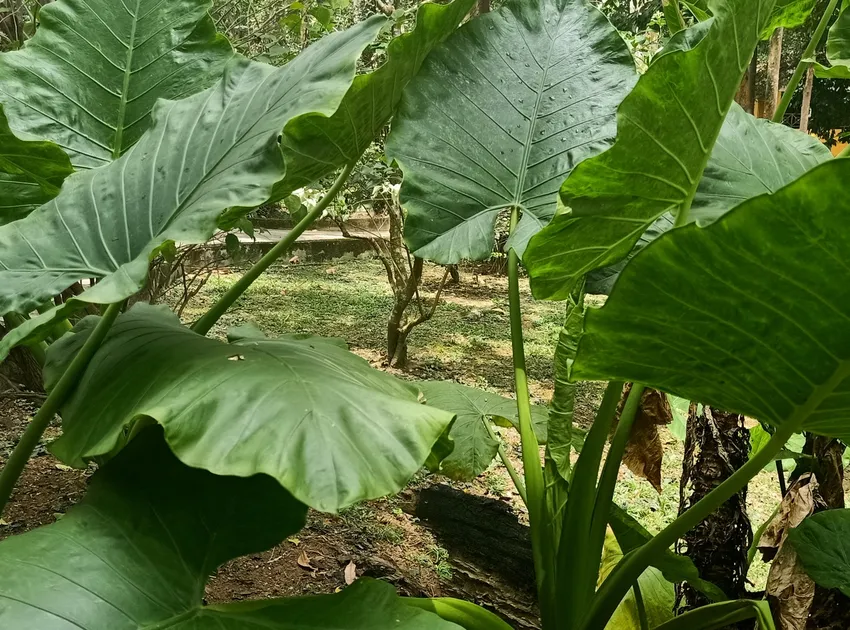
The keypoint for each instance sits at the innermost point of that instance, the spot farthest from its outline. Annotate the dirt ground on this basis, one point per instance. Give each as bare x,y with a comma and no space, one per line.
468,341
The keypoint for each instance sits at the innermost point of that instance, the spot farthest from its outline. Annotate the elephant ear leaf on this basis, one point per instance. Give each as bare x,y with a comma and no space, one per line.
667,128
315,145
723,314
215,150
475,443
822,543
837,48
140,547
499,115
303,410
31,173
788,14
89,77
785,13
751,157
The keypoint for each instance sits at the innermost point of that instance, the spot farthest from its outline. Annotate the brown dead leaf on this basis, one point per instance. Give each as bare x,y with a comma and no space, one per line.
645,451
799,502
791,589
350,572
304,561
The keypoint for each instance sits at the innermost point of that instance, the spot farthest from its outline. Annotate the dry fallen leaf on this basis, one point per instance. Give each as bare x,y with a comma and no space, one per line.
304,561
350,572
645,451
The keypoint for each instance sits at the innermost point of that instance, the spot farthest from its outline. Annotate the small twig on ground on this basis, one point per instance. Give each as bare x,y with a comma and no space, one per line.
22,395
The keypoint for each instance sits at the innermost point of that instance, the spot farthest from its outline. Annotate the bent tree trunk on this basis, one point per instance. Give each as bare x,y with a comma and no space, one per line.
404,274
716,445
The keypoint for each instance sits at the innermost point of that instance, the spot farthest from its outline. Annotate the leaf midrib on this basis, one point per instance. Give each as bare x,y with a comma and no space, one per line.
128,72
532,122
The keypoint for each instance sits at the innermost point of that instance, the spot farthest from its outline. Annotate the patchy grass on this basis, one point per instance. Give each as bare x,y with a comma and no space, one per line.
437,559
468,340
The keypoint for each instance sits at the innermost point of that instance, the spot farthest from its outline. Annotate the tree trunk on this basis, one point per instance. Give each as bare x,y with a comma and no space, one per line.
21,368
774,66
746,96
716,445
805,110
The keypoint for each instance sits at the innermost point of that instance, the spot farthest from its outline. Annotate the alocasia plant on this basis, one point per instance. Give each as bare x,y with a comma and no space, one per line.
134,546
136,553
718,308
251,406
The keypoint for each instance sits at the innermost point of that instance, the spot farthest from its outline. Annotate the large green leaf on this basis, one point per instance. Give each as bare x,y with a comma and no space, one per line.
90,76
499,114
214,150
785,14
752,156
822,543
137,552
474,442
748,314
788,14
315,145
303,410
837,48
667,128
657,594
31,173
